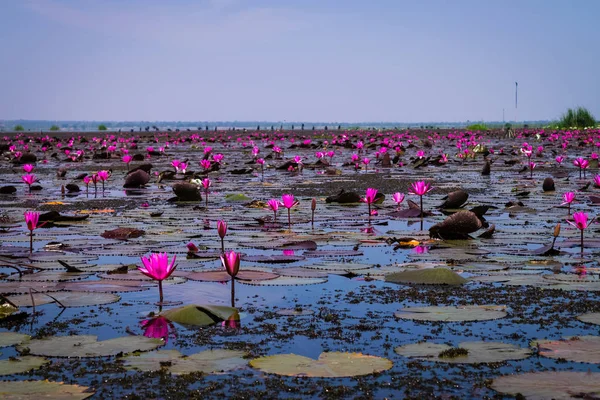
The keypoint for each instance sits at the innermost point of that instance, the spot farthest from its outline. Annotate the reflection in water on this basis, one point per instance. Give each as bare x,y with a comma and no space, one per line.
158,328
421,249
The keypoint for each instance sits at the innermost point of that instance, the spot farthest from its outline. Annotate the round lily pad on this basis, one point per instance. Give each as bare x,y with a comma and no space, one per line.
329,365
42,390
208,362
476,352
49,276
563,385
199,315
88,346
452,313
339,266
300,272
578,348
590,318
12,338
67,299
429,276
21,364
223,276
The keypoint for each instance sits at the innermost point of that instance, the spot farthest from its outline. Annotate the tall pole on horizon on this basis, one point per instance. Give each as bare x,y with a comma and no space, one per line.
516,102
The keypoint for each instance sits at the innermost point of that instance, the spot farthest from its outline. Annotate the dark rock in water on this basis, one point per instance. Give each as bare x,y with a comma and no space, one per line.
344,197
487,168
144,167
101,156
28,158
8,190
593,199
136,179
187,191
71,187
548,185
413,211
81,176
123,233
62,172
137,157
456,226
242,171
55,216
455,199
385,161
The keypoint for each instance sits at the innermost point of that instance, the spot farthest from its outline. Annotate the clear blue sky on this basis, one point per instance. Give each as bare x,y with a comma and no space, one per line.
303,60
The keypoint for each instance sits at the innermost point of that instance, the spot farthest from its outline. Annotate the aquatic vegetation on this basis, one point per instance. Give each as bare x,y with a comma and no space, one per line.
157,267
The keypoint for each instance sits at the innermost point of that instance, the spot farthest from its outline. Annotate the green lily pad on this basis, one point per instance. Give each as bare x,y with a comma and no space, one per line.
12,338
563,385
199,315
21,364
329,365
7,309
21,390
429,276
208,362
235,197
477,352
452,314
89,346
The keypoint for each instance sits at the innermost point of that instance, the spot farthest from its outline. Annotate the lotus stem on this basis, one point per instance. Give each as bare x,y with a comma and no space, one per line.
232,292
30,242
289,219
582,241
222,245
160,291
421,198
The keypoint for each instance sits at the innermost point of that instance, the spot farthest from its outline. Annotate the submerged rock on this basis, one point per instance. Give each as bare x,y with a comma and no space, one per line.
344,197
8,189
455,199
548,185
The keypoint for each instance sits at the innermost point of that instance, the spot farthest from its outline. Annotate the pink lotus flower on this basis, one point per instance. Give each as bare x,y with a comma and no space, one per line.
420,154
319,154
29,180
192,248
175,164
369,198
28,168
288,201
420,188
360,146
182,167
231,263
205,164
218,158
532,165
398,198
560,159
222,231
157,267
568,198
582,164
103,176
274,205
31,219
581,220
597,181
206,184
207,149
444,159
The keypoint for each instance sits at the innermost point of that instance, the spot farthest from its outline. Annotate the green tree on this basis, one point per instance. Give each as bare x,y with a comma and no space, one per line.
55,128
580,117
19,128
101,127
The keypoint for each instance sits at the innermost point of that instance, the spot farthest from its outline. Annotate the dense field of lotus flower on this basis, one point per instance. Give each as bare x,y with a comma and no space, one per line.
294,264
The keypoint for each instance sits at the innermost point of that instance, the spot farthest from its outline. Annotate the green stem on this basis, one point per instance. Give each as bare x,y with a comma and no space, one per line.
30,242
160,291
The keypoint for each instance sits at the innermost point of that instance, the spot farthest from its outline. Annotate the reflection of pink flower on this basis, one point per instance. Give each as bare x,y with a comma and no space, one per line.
560,159
288,252
144,205
232,322
157,328
420,249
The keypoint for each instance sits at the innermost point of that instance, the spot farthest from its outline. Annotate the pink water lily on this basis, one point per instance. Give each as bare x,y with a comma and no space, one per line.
206,184
420,188
103,176
597,181
369,198
29,179
28,168
222,231
32,219
532,165
568,198
274,206
127,159
582,164
231,263
366,162
205,164
560,159
157,267
580,222
398,198
288,201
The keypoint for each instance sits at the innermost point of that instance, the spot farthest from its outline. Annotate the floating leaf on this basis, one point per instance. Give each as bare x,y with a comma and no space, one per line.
88,346
562,385
329,365
452,314
12,338
286,281
7,309
43,390
223,276
199,315
590,318
208,362
67,299
477,352
428,276
578,348
21,364
235,197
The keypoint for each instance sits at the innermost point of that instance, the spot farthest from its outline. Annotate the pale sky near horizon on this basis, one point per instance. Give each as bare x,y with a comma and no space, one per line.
303,60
